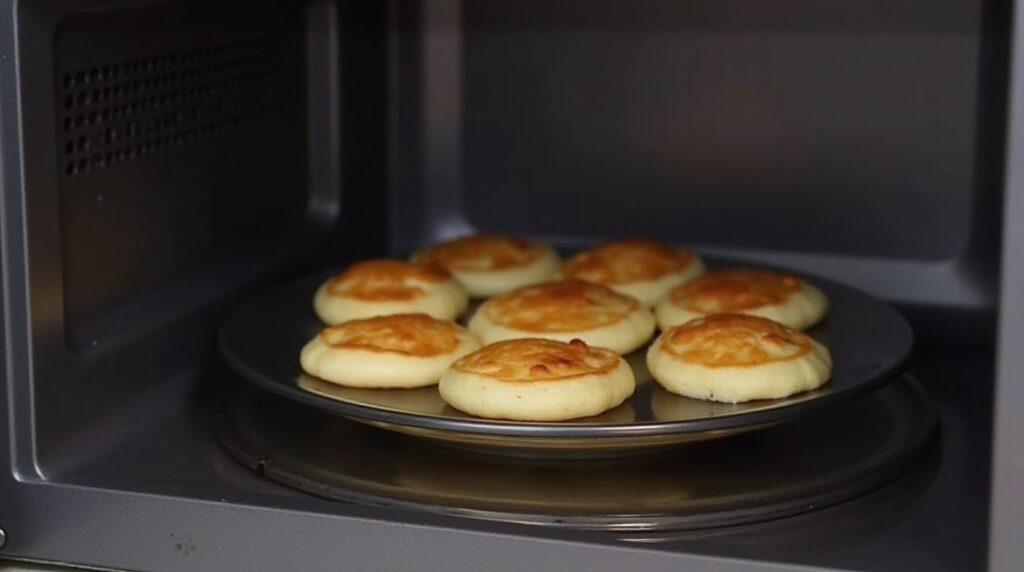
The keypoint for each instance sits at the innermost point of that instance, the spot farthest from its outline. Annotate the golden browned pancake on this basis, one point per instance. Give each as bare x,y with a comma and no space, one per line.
721,291
642,268
534,359
784,298
401,350
562,306
564,310
381,287
482,252
537,380
408,334
386,280
736,357
730,340
489,264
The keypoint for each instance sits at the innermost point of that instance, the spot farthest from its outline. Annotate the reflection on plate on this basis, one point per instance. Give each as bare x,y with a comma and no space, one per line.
419,401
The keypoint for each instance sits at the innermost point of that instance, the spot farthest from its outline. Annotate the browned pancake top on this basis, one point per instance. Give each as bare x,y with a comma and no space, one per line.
482,252
562,306
386,280
734,340
734,290
530,359
625,261
416,335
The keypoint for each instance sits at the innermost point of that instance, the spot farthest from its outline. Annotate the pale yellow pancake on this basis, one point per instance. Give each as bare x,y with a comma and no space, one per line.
784,298
564,310
537,380
381,287
642,268
736,357
401,350
487,265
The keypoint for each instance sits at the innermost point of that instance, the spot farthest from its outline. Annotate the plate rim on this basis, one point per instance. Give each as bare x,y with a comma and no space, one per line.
555,430
919,442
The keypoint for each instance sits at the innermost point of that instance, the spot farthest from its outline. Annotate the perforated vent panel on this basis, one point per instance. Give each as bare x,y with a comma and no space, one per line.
180,145
117,111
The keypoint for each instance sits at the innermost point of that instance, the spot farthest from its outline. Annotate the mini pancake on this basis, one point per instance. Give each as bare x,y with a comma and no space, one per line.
565,310
401,350
381,287
488,265
537,380
644,269
784,298
735,357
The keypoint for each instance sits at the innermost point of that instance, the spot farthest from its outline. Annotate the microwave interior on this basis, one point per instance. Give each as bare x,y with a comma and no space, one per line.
165,160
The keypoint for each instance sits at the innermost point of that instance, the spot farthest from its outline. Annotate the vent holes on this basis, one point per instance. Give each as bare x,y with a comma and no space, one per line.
118,111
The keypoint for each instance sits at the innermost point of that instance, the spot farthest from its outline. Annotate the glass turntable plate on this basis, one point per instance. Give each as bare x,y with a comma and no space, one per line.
789,468
868,339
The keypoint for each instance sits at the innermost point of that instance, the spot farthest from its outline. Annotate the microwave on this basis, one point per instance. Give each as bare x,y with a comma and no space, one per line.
163,161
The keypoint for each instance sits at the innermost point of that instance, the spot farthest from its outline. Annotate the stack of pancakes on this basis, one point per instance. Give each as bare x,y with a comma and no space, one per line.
546,343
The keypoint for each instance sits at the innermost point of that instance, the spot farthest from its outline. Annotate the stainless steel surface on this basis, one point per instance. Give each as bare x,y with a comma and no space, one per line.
811,463
869,342
45,566
598,131
137,449
164,476
1007,517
